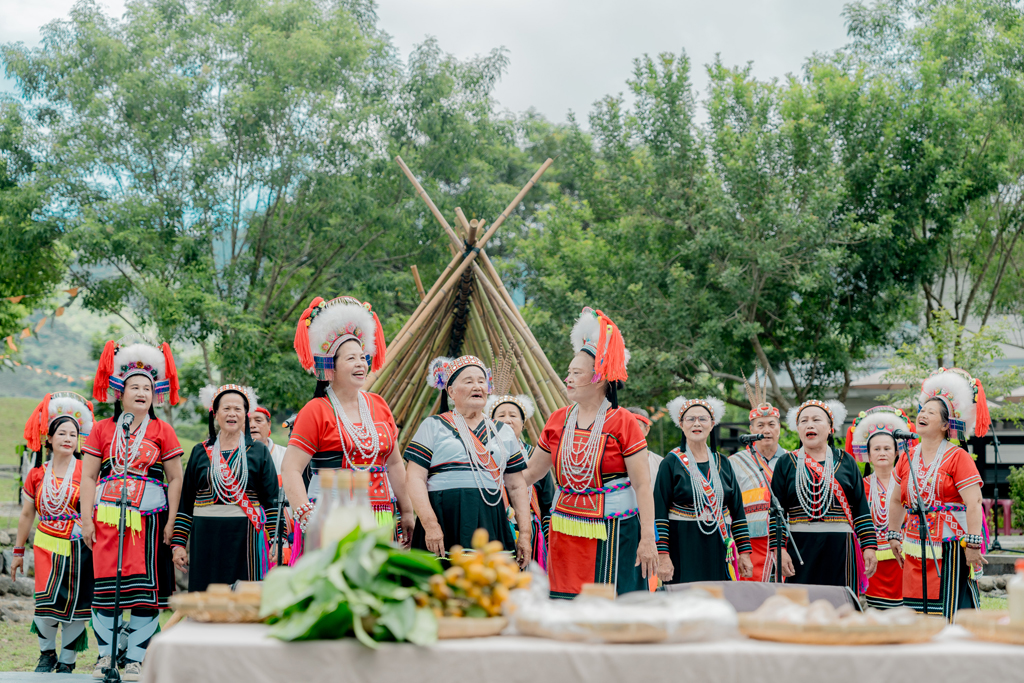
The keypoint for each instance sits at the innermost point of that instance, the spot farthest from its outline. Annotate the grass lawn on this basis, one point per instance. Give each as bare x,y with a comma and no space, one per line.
13,414
19,649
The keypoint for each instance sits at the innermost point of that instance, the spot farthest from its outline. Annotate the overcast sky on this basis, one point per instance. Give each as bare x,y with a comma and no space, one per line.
566,54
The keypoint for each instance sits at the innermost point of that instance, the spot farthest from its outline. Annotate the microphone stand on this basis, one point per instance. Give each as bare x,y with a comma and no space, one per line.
922,524
279,527
111,675
780,522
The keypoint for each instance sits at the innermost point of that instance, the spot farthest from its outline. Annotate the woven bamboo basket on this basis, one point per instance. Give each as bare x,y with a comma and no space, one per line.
922,630
468,627
220,605
986,626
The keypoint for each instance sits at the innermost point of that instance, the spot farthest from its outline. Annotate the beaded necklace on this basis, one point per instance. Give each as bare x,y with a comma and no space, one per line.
125,453
880,500
229,482
53,499
366,432
487,478
578,464
707,493
927,477
815,496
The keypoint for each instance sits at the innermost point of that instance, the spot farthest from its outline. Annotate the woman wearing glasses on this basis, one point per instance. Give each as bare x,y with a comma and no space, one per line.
694,488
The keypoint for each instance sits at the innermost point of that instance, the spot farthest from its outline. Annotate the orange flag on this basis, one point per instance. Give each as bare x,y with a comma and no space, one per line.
10,342
39,325
15,299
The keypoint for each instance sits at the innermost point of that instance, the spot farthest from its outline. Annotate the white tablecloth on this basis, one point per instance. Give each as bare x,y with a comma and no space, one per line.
195,653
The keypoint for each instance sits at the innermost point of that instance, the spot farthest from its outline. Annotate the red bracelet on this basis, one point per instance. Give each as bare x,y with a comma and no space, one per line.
19,551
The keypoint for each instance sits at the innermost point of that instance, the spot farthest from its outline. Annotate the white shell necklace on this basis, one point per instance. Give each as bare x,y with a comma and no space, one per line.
815,496
123,453
578,465
927,477
488,479
708,512
54,500
228,491
365,433
880,501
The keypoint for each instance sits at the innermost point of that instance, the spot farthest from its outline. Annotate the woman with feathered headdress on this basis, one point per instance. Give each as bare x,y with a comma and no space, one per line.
343,427
464,469
514,411
229,499
822,492
696,488
872,438
951,408
63,562
602,521
135,375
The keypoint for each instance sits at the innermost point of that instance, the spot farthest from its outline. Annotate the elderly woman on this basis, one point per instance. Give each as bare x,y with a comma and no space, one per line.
464,470
822,491
343,427
754,467
871,438
514,411
694,491
63,563
602,522
952,408
229,498
135,376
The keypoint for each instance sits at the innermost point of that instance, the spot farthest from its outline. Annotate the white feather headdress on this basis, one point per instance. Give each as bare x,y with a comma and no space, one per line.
679,405
835,410
120,361
209,394
611,360
325,325
524,402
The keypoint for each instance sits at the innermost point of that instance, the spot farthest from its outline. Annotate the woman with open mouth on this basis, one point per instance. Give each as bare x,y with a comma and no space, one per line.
343,427
146,462
602,521
872,438
951,408
229,498
695,488
822,491
464,469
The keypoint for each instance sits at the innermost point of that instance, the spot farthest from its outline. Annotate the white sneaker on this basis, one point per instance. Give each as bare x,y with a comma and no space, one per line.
132,671
100,670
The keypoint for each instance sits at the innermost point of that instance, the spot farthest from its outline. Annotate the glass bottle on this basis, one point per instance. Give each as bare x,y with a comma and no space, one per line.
1015,594
328,500
343,518
361,498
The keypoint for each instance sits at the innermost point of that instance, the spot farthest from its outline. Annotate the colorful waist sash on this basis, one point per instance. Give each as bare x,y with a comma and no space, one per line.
583,513
146,497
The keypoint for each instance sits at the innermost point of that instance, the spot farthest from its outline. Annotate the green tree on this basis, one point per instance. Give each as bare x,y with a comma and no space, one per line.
32,261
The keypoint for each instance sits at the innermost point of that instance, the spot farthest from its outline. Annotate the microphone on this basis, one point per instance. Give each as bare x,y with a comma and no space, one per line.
126,421
904,435
747,439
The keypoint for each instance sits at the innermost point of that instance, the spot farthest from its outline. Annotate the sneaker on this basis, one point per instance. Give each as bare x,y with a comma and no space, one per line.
47,660
132,671
100,670
63,668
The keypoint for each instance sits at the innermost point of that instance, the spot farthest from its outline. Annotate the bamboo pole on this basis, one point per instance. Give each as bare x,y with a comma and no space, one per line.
497,321
473,225
489,267
499,304
464,224
419,282
420,356
430,204
415,322
406,392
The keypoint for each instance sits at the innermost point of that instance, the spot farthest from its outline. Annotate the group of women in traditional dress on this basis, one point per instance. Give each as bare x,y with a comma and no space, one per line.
586,501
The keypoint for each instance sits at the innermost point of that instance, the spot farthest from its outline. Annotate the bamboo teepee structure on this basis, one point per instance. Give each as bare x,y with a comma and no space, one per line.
468,310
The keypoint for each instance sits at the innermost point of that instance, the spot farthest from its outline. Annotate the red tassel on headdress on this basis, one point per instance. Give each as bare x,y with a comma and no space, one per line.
611,351
103,371
849,440
172,373
982,420
381,346
302,336
37,425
